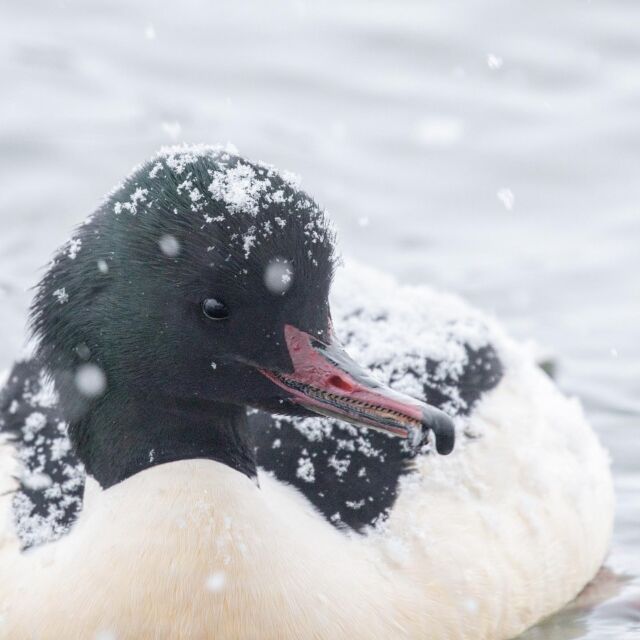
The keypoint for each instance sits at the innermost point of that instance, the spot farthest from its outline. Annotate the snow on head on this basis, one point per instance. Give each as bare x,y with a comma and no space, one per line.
74,247
138,197
239,188
238,207
250,201
61,295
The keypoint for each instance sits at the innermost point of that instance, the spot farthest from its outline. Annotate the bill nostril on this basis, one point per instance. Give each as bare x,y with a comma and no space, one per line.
340,383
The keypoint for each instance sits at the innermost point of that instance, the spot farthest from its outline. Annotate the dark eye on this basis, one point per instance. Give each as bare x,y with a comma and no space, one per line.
215,309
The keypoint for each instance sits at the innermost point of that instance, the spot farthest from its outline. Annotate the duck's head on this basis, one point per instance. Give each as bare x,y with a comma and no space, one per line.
199,288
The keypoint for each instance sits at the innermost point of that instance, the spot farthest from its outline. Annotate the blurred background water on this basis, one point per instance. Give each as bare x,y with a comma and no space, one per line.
490,148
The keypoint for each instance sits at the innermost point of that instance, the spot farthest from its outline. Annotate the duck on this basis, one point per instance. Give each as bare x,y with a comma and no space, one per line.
225,430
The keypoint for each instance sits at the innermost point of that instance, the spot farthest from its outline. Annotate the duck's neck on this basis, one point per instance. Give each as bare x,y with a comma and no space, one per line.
121,437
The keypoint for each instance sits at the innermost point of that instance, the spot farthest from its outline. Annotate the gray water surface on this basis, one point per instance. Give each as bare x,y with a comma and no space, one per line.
489,148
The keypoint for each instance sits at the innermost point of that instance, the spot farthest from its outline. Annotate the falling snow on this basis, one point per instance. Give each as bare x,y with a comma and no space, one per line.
90,380
494,62
278,276
169,245
216,581
172,129
506,197
439,131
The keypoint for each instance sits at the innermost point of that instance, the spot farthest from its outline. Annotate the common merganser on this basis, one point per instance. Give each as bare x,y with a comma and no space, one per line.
200,288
